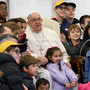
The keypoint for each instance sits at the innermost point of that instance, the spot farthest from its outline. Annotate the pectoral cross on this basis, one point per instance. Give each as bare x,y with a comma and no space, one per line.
41,49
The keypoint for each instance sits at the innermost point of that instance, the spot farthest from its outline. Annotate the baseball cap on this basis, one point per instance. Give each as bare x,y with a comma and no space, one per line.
60,2
71,4
4,45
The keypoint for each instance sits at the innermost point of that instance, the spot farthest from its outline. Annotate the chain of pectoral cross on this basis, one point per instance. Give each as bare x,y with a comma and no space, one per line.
40,44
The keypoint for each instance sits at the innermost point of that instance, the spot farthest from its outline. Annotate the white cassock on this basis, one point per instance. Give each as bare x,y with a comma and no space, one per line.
39,43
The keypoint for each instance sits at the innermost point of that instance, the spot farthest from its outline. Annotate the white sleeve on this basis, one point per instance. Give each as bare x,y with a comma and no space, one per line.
62,48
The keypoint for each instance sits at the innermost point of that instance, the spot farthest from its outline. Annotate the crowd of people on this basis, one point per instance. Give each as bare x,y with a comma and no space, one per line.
36,58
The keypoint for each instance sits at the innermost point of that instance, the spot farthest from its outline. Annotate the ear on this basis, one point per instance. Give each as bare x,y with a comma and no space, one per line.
54,9
28,22
25,69
5,52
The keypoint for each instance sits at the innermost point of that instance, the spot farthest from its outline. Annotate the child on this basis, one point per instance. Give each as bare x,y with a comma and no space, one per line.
84,86
29,68
62,76
3,12
42,84
84,46
74,33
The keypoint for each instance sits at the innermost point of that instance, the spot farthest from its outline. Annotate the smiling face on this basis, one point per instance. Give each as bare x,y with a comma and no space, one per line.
61,11
70,12
3,11
35,22
75,34
56,57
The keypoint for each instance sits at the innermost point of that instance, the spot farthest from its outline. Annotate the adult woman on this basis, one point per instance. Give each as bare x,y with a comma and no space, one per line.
9,60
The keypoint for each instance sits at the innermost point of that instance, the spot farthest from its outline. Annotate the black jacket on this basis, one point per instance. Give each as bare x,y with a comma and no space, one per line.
64,27
27,80
84,46
11,79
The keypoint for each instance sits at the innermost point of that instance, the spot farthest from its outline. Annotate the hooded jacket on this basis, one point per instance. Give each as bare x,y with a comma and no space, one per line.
87,67
11,79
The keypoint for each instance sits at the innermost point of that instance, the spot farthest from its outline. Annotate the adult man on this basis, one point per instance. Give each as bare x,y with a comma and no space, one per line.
40,39
60,8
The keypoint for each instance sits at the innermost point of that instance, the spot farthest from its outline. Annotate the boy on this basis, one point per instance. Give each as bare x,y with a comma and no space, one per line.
3,12
42,84
74,33
29,68
70,13
60,8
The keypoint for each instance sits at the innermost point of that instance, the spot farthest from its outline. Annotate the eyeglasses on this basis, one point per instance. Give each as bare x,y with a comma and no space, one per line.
35,20
60,7
17,51
3,9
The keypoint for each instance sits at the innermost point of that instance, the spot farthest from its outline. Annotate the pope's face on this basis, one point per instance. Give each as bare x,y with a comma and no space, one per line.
35,22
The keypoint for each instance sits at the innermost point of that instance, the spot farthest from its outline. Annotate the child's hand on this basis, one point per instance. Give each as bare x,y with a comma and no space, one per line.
68,65
73,84
67,85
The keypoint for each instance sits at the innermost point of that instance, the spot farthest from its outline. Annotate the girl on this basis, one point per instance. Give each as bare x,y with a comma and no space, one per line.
62,76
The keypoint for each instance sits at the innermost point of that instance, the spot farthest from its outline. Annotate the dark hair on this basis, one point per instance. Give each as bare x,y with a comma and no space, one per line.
1,2
27,60
50,53
86,35
7,37
10,48
73,26
14,20
2,28
42,81
22,20
82,18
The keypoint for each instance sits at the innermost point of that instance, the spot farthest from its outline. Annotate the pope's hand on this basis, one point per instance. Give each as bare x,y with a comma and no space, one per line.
42,59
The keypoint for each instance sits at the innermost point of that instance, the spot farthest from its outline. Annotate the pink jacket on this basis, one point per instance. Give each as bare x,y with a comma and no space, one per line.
84,86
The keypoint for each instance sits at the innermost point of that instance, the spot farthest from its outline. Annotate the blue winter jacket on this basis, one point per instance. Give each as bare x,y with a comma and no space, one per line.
87,67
